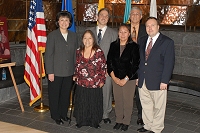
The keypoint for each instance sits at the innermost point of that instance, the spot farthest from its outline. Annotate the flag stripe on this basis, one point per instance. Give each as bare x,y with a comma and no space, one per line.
41,27
40,15
36,41
42,39
32,54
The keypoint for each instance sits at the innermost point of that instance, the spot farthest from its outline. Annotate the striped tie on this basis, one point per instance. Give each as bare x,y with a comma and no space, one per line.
148,50
133,35
99,36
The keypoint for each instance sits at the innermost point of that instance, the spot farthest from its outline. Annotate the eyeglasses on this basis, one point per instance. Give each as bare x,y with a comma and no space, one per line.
135,14
105,16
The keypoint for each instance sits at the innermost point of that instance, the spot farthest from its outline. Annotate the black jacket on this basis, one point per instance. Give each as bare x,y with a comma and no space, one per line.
127,63
142,31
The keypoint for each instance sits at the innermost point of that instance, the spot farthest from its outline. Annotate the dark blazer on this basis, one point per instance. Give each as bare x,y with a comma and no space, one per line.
141,32
60,54
127,63
160,63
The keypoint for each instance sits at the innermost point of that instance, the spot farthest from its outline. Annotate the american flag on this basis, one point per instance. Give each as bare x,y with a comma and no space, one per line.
36,42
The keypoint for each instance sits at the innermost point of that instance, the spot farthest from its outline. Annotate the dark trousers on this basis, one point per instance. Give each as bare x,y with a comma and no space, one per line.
138,103
88,107
59,96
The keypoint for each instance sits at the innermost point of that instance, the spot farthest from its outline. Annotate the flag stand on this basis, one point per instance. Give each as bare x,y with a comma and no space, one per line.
41,107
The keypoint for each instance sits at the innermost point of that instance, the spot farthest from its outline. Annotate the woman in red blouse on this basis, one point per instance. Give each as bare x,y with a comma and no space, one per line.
90,71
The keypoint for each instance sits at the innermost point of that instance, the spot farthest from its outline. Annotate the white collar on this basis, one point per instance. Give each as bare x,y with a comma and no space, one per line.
103,30
154,38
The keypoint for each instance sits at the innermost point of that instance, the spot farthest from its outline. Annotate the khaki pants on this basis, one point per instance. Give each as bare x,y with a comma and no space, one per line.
153,108
123,97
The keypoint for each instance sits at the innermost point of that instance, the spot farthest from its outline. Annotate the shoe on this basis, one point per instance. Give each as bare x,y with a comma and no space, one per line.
65,118
124,127
107,121
140,121
151,132
59,121
117,126
142,130
78,126
97,127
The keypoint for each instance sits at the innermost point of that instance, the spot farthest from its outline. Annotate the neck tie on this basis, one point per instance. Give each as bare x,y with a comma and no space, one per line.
148,50
133,35
99,36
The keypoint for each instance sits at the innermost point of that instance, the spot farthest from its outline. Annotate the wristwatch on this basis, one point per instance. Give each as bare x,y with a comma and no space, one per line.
126,78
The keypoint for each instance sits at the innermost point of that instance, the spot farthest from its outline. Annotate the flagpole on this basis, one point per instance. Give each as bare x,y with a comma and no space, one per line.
65,5
26,9
41,107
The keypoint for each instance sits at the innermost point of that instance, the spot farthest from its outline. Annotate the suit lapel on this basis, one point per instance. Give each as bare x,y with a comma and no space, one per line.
156,45
69,38
117,50
125,50
60,36
95,32
139,32
143,47
106,34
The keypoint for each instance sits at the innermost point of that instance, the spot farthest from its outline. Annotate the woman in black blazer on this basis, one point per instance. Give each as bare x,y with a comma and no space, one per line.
122,62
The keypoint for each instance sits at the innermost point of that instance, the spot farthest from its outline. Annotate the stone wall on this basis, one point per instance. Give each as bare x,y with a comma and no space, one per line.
187,50
9,92
18,52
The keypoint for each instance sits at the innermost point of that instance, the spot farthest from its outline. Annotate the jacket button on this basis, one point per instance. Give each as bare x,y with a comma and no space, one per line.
145,64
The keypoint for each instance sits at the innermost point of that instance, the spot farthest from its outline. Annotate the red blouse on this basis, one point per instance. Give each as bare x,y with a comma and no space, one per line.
90,72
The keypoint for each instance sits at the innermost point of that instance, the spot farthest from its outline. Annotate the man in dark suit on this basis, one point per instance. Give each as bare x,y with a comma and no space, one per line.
138,30
104,39
157,59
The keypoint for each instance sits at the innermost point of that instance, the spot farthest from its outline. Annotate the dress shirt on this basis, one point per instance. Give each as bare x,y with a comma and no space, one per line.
153,40
102,32
65,36
136,29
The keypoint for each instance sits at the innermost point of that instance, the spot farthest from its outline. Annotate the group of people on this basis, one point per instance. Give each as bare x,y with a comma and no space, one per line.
137,60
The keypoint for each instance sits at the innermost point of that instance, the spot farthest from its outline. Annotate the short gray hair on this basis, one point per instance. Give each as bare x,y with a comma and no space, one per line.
136,8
